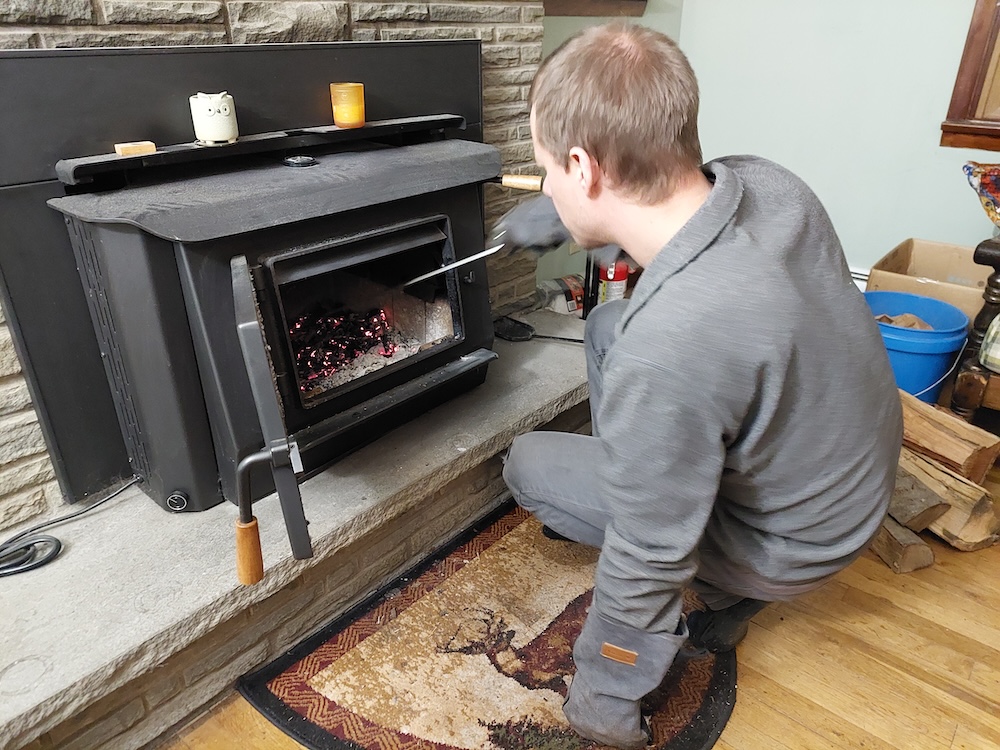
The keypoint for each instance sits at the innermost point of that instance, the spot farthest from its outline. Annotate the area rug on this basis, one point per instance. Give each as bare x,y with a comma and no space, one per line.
474,650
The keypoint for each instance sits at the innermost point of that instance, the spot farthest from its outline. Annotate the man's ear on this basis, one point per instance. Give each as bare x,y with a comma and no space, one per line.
585,169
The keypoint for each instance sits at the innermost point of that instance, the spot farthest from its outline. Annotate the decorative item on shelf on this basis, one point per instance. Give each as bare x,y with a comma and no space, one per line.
214,119
985,180
135,148
348,101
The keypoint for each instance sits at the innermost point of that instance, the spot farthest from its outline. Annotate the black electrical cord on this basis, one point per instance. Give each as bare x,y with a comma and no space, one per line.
557,338
24,552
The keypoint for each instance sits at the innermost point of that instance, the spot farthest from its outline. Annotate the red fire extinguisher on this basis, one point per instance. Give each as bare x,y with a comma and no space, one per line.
614,280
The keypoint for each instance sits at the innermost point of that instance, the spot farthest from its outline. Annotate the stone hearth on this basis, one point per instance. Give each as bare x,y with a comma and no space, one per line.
140,623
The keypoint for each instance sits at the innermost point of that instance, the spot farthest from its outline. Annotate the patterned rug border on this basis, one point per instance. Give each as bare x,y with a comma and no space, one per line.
254,686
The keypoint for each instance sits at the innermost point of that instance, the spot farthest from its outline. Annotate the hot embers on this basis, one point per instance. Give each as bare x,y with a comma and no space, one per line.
328,341
349,323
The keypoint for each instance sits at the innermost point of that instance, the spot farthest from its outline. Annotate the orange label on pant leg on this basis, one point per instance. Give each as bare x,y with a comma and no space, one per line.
619,654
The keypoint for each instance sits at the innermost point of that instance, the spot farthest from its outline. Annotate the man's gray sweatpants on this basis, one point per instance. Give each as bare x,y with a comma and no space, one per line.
553,474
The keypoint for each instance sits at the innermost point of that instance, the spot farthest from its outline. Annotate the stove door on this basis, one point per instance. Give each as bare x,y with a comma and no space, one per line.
278,450
344,315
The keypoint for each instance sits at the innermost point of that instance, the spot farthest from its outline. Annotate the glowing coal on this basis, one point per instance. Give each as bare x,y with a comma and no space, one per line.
327,341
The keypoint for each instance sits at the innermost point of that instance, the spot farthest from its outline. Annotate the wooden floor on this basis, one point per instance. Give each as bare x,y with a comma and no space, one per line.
872,660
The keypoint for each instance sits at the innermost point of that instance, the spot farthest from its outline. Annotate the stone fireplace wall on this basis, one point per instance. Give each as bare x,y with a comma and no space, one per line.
511,34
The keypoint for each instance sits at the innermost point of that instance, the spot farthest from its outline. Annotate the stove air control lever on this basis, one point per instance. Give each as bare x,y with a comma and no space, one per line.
279,451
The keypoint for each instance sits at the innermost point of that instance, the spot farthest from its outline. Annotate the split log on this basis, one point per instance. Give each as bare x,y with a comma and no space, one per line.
948,439
913,503
901,549
969,525
972,521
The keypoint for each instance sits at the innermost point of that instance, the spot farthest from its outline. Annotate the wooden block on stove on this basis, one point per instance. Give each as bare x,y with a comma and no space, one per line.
135,148
901,549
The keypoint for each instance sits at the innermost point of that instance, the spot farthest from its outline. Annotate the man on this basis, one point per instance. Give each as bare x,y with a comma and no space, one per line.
746,425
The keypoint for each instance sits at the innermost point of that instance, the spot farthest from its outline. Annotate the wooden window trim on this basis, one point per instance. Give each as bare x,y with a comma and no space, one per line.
962,129
594,7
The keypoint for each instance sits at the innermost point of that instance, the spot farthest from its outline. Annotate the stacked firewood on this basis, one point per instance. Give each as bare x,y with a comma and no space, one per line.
939,488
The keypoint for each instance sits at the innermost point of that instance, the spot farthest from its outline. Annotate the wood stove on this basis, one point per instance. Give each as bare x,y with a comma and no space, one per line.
257,299
218,343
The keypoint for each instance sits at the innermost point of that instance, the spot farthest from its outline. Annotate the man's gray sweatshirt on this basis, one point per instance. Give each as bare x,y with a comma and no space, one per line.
750,421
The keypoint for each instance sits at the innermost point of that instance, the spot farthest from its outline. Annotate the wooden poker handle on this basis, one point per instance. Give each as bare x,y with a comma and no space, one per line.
249,560
522,181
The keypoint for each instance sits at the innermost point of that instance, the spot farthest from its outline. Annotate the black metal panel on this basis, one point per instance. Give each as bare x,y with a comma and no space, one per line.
145,340
60,104
47,312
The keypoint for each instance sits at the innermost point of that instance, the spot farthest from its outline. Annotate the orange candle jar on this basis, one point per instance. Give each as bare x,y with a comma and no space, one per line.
348,101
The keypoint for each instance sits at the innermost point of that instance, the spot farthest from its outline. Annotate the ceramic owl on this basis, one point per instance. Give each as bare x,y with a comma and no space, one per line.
985,180
214,118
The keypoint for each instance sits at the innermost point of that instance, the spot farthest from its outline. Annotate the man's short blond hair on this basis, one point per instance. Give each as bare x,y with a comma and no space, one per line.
628,96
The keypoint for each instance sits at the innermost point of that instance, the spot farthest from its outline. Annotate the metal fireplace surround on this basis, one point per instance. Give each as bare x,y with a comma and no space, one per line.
173,359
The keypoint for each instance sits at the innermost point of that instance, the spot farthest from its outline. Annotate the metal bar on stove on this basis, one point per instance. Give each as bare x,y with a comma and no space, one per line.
456,264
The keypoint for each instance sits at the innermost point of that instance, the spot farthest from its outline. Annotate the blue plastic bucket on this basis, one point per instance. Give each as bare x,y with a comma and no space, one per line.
920,359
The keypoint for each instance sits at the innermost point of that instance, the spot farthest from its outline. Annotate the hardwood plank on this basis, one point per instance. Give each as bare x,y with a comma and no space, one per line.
767,720
740,733
235,718
966,739
849,682
977,585
962,580
883,625
793,708
965,652
986,676
894,648
925,600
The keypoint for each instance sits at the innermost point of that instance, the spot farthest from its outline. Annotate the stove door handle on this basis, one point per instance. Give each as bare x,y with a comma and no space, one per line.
279,451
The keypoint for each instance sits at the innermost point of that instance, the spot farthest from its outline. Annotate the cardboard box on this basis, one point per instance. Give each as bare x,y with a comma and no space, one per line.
933,269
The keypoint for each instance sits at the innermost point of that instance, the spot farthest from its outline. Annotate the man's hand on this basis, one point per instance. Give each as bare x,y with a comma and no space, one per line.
534,225
615,667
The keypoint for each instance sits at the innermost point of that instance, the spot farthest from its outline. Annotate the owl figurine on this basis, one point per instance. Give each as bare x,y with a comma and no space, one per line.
214,118
985,180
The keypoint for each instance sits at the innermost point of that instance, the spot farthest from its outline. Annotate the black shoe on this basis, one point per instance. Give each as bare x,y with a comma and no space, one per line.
720,630
552,534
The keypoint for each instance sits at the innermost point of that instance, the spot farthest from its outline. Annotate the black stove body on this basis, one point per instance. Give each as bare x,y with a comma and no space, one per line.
248,299
279,279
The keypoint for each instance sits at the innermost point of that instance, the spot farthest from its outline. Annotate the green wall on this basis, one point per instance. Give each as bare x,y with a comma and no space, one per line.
849,95
664,15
